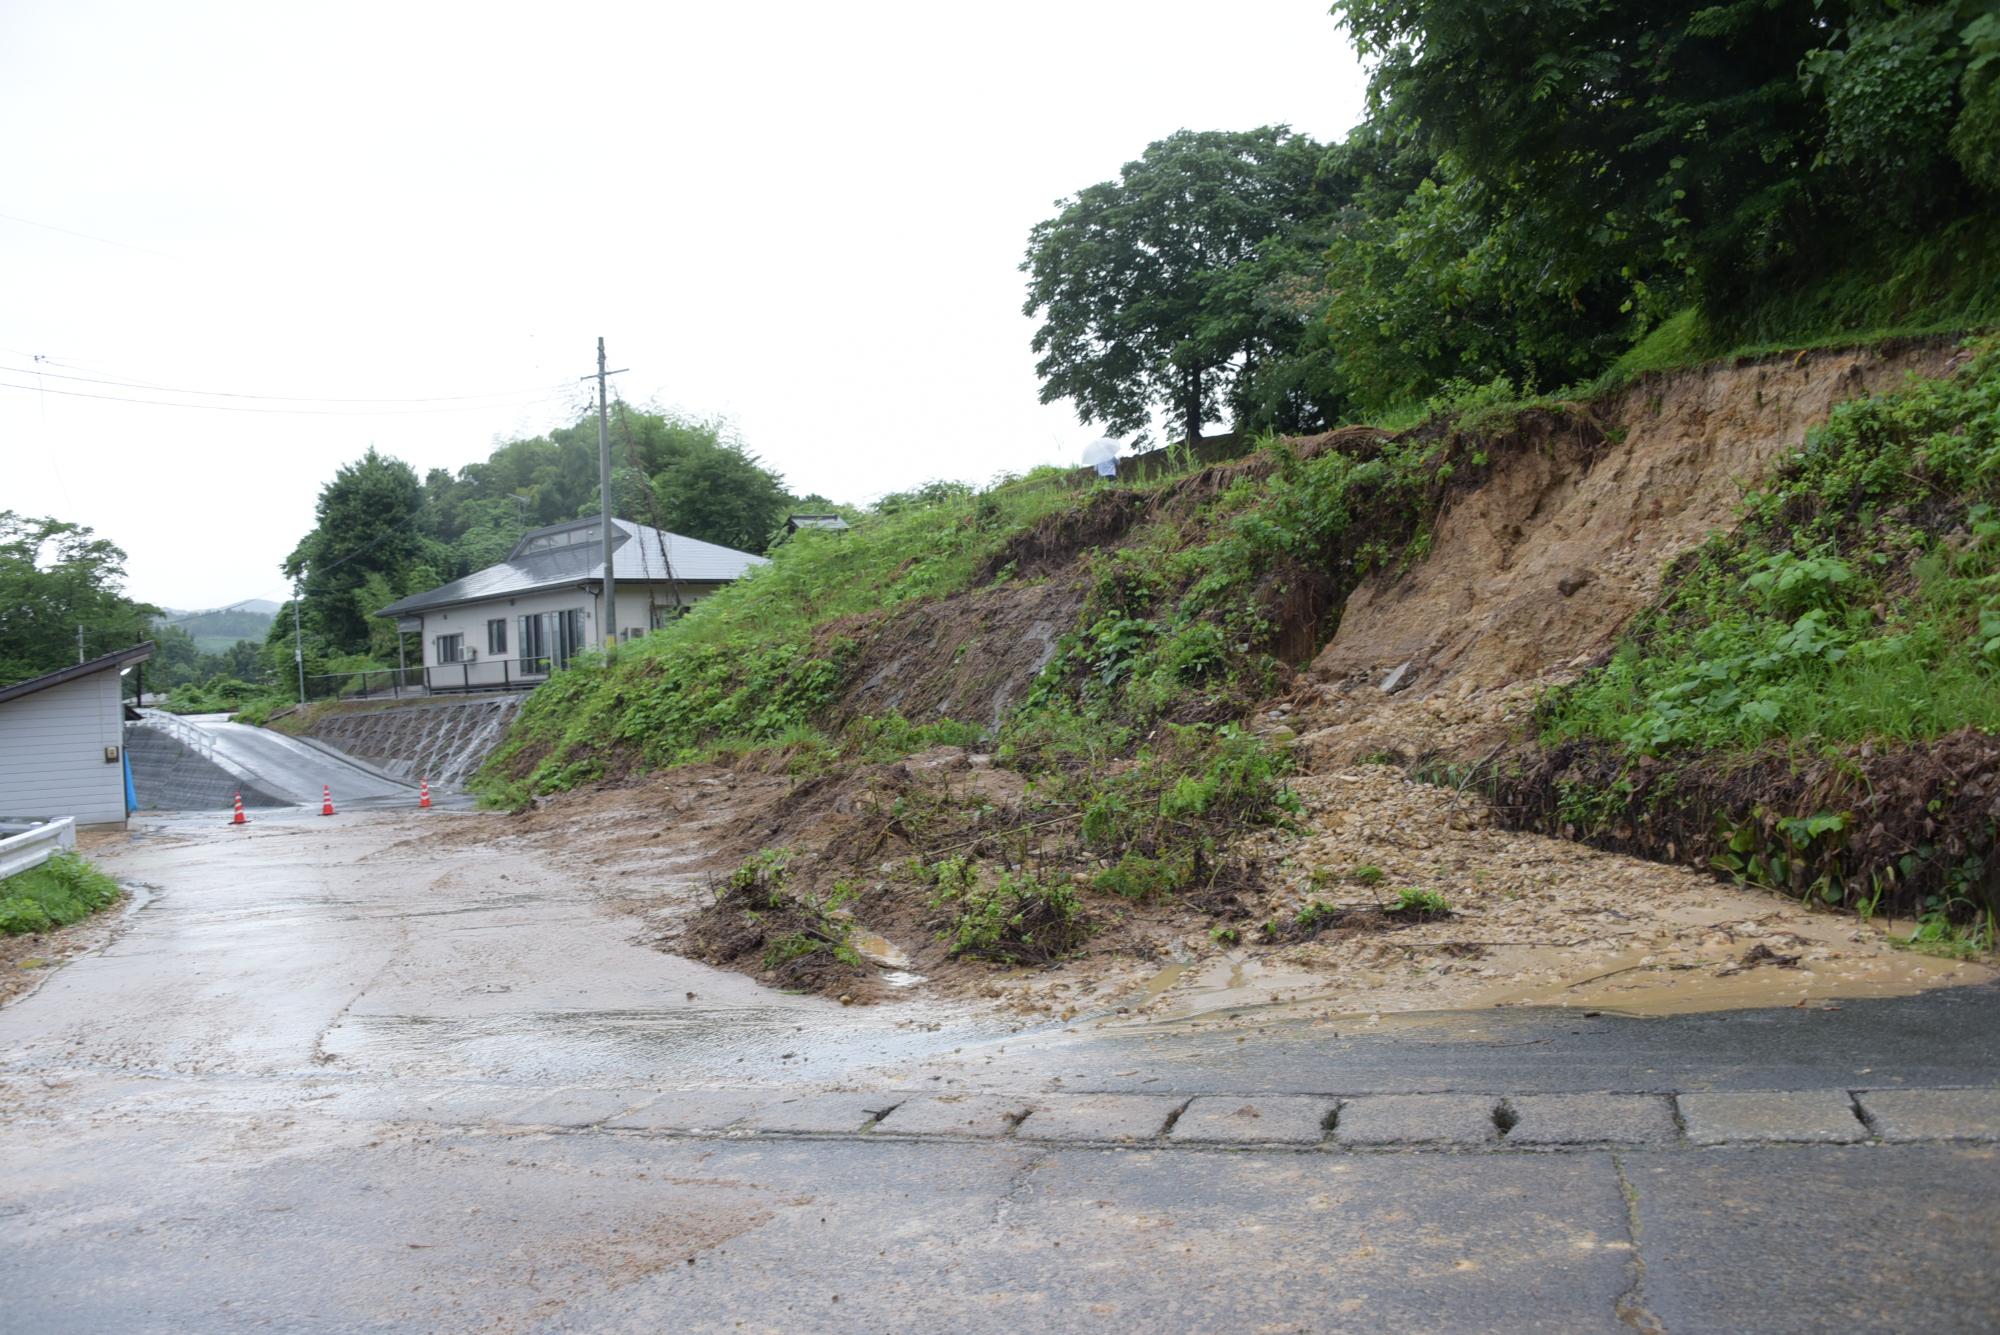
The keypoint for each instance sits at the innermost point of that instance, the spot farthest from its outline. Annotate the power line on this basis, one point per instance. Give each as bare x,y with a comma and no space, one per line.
101,240
275,398
294,412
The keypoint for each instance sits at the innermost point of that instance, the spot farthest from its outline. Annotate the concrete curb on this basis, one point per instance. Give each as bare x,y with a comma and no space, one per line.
1446,1121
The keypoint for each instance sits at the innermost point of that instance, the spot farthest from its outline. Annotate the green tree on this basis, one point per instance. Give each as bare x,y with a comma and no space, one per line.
241,660
690,475
722,494
1136,279
1738,148
368,523
176,658
55,577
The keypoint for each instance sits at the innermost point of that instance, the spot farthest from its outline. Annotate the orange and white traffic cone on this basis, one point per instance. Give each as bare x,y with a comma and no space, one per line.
326,799
237,819
423,793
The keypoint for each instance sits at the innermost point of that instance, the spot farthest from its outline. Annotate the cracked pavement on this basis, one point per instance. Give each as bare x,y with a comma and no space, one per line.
331,1075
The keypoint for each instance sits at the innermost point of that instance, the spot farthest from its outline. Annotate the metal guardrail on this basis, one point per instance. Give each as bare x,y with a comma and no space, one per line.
199,740
30,843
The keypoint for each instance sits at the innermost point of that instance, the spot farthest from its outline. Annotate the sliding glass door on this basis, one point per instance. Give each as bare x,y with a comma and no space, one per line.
549,639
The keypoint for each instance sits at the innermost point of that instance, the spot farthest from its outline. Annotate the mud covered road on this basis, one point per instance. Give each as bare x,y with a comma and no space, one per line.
340,1074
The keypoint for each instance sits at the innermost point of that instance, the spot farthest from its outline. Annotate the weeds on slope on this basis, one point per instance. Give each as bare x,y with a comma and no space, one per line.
1198,594
747,667
1813,705
1858,600
63,890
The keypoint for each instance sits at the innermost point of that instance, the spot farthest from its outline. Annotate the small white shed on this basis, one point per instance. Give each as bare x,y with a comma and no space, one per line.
62,742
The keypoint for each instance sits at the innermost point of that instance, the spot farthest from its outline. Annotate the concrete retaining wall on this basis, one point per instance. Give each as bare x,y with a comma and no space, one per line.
443,741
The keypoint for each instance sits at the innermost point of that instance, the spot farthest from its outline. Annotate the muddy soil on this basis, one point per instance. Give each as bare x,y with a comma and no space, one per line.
25,961
663,847
1533,920
1541,567
1532,575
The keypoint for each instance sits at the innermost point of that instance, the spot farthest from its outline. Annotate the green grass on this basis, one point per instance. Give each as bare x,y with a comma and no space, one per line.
63,890
760,661
1420,904
1944,283
1936,933
1859,599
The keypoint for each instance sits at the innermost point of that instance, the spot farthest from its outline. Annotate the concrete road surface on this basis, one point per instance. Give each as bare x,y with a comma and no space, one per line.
363,1074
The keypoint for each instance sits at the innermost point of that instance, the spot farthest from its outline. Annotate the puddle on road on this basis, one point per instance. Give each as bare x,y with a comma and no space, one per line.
887,956
879,950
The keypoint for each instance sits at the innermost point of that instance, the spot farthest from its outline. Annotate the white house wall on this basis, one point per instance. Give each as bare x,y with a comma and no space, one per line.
52,748
470,621
634,608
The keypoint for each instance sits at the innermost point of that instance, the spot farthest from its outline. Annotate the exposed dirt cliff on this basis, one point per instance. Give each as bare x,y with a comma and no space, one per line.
1532,575
1542,566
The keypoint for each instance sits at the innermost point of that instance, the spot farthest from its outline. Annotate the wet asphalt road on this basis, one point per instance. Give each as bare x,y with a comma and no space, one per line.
227,1120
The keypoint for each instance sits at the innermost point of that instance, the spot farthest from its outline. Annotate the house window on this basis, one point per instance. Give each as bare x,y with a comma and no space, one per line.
450,648
664,615
496,636
548,639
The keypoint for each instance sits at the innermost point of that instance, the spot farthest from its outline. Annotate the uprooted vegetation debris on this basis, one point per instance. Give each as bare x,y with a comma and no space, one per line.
1061,717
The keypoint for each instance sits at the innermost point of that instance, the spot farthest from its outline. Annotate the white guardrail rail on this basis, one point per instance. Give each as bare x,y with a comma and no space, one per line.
198,740
25,844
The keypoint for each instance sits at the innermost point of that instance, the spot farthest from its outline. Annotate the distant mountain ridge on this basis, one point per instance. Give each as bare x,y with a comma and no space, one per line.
218,628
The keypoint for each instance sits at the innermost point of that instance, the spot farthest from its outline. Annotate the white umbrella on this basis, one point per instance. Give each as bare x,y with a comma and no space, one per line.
1103,456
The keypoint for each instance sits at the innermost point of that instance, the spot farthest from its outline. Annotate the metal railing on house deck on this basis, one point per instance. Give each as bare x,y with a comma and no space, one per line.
487,674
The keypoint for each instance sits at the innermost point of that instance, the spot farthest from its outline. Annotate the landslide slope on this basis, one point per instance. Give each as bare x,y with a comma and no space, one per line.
1063,719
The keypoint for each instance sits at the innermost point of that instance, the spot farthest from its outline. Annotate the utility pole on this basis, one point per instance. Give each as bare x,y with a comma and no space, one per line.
609,627
298,645
79,641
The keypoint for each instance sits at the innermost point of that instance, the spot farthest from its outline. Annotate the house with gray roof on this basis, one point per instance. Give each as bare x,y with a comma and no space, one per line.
511,624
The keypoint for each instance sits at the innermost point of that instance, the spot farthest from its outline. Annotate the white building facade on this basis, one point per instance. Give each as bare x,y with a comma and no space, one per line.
62,743
510,625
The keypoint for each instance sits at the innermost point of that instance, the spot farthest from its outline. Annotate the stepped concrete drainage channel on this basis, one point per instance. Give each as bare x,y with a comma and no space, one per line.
1450,1122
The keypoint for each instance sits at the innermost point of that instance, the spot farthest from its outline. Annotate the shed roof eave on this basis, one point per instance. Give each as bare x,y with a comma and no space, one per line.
120,658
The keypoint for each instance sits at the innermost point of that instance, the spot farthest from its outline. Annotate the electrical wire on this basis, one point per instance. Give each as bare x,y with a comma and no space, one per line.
273,398
295,412
101,240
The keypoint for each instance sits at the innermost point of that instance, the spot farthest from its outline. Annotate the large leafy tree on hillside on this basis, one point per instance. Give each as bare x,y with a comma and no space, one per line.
1138,282
55,577
367,524
689,475
1723,148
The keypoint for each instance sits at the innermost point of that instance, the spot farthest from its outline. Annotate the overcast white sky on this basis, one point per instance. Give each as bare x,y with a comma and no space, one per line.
804,217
